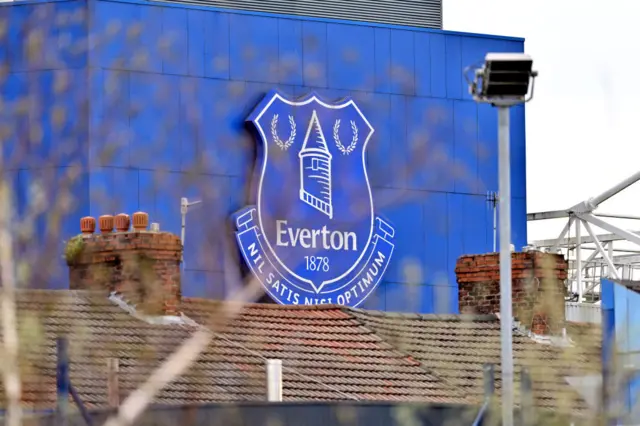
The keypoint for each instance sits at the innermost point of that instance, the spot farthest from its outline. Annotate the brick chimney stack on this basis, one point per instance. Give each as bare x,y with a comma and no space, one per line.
142,266
537,288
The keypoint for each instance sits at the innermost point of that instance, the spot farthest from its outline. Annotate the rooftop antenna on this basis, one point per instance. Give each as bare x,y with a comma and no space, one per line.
493,199
184,208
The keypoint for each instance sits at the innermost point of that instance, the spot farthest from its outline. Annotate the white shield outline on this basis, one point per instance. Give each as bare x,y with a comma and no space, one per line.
309,98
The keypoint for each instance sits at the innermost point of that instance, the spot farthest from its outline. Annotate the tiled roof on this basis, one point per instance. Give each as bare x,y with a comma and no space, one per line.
457,346
323,343
328,352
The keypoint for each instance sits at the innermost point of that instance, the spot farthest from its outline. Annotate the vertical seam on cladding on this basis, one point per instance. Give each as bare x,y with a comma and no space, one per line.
228,47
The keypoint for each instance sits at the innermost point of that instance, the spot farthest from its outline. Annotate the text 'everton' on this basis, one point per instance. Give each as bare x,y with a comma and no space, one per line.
315,238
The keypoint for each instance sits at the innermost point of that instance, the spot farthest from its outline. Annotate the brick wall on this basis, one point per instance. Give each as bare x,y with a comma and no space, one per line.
143,266
537,288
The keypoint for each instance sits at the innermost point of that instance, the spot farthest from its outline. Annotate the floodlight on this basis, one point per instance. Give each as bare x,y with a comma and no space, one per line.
504,79
506,74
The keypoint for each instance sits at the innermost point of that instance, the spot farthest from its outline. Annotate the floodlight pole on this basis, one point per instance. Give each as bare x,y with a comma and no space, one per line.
506,314
503,90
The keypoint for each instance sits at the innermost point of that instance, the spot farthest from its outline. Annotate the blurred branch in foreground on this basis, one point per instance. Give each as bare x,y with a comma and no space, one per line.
10,368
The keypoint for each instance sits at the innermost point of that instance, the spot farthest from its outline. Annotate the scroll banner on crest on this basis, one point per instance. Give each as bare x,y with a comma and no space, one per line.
351,291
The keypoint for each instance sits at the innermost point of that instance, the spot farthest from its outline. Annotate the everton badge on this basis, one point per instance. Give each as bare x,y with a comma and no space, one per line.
312,236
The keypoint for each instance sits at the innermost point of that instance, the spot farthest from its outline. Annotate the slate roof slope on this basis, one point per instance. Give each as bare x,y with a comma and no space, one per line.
457,346
334,356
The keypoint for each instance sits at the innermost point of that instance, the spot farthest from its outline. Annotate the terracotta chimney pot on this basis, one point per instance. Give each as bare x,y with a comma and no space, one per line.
122,222
106,224
140,221
88,225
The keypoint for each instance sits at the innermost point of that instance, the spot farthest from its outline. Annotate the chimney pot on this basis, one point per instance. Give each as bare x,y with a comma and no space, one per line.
106,224
155,227
122,222
140,221
88,225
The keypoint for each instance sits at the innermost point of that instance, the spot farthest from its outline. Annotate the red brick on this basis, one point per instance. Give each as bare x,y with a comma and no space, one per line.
143,266
537,286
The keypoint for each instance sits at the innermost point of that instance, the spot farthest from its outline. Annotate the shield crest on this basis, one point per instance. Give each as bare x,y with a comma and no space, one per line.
314,200
312,236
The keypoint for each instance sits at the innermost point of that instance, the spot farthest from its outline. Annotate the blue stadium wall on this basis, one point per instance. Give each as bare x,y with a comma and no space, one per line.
621,351
142,103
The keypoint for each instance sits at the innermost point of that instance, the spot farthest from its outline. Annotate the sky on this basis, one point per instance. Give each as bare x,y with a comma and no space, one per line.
582,125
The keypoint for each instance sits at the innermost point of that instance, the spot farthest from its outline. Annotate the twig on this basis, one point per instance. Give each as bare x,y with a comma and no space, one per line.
10,370
179,361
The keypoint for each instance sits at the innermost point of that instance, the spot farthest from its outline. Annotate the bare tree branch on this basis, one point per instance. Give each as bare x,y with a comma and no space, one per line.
180,360
11,375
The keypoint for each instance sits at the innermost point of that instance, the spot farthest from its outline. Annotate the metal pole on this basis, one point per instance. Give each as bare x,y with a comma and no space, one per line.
184,205
596,201
62,381
600,249
626,235
274,380
495,224
618,216
579,259
83,410
610,249
625,272
566,229
504,169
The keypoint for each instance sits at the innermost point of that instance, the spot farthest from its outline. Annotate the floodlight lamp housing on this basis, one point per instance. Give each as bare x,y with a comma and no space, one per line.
504,79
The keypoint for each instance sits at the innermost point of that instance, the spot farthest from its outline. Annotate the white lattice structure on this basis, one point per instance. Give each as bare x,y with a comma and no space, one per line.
612,253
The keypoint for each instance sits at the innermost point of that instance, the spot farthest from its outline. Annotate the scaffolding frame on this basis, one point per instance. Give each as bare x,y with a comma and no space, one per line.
585,274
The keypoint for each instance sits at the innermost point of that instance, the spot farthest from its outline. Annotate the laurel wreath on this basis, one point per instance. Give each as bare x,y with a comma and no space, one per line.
354,141
284,145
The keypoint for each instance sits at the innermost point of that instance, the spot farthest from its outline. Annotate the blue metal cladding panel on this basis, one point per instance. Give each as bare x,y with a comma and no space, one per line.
46,236
382,59
62,26
465,147
53,130
168,89
114,47
429,147
191,115
196,43
154,114
175,34
352,56
314,54
217,55
438,70
254,57
379,150
45,130
396,172
401,72
290,52
620,339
